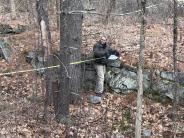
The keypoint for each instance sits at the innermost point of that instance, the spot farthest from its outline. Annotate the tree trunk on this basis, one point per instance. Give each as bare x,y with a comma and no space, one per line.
110,8
1,8
57,15
70,43
13,8
32,14
175,37
43,21
140,74
87,5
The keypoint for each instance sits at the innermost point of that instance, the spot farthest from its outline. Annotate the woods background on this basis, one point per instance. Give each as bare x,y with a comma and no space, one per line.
23,96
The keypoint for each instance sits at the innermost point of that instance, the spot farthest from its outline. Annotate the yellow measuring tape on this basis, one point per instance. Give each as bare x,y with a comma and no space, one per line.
29,70
83,61
50,67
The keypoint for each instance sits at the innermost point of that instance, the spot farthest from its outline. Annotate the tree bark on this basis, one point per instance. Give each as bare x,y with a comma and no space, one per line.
43,21
57,15
13,8
175,37
86,4
140,74
110,8
1,8
70,43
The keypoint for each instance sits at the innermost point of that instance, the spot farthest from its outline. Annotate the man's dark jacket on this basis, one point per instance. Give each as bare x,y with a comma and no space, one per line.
103,51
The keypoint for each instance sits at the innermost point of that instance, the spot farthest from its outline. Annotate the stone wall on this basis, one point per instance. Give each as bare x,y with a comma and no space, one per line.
123,78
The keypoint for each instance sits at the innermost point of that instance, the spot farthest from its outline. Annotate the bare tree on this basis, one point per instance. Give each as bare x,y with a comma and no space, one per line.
13,8
110,8
140,70
175,37
43,21
70,43
2,7
57,10
86,4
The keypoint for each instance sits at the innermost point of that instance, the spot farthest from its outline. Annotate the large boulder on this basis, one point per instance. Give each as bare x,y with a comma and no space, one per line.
7,29
5,50
164,83
35,58
124,80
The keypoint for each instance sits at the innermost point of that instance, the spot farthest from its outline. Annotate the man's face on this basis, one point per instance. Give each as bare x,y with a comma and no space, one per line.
103,40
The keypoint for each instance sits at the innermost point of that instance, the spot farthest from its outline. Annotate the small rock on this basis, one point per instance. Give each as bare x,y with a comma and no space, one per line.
146,132
5,50
95,99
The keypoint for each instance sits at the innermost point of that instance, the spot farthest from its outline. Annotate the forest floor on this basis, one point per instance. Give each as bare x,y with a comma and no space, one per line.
22,95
